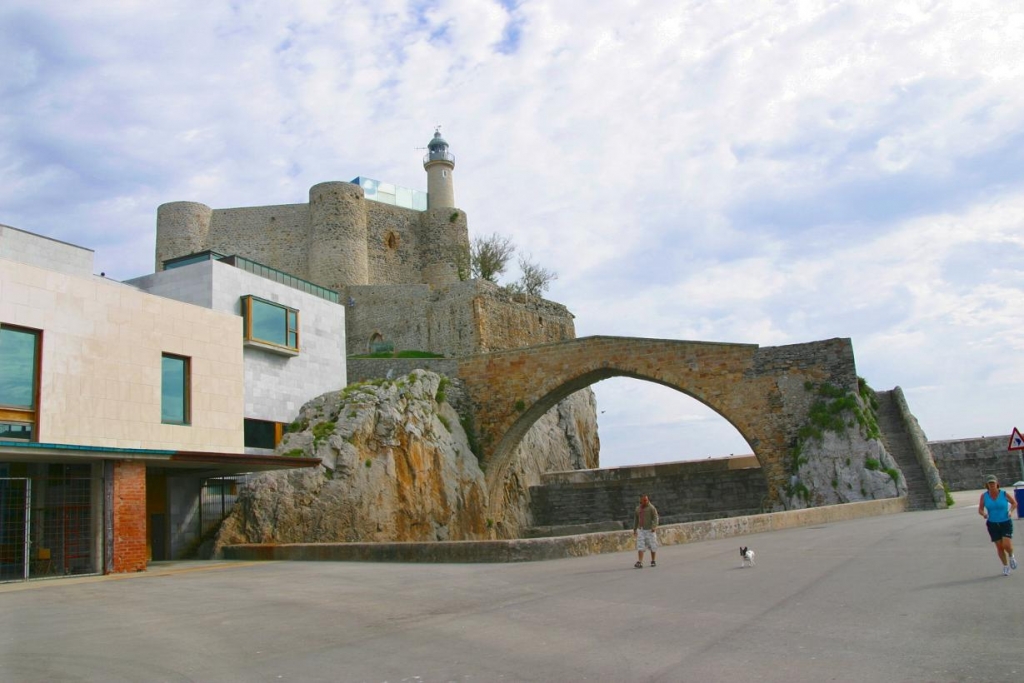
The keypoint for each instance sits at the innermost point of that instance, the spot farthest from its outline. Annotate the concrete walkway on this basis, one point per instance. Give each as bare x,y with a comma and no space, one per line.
916,596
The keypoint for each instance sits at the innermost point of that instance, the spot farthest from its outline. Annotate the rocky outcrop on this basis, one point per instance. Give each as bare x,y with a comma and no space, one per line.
564,438
397,465
839,456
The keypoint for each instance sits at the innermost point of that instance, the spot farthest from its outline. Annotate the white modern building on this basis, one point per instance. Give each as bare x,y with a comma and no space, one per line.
120,403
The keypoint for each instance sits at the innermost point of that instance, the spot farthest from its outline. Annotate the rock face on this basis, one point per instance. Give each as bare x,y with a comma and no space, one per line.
564,438
840,457
397,466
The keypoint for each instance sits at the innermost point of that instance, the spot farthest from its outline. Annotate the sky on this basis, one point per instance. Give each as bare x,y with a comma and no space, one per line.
767,172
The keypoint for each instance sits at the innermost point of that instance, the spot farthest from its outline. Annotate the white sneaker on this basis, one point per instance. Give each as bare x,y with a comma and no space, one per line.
1006,570
1013,562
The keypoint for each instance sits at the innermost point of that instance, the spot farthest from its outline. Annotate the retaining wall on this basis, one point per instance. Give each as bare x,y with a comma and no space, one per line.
534,549
964,463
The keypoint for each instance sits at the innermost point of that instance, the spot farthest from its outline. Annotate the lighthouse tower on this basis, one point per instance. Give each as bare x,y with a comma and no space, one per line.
439,164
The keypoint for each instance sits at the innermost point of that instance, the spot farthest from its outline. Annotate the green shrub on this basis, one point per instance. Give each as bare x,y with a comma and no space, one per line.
520,406
294,453
442,386
949,497
322,430
443,420
871,464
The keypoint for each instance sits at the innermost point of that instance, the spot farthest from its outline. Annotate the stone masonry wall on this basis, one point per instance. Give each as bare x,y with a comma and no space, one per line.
965,463
276,236
685,491
393,244
458,319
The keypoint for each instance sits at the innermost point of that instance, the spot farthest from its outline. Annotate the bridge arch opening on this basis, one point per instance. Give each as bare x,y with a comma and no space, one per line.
641,422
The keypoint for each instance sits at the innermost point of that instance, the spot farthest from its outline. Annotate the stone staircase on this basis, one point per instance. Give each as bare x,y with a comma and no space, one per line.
897,443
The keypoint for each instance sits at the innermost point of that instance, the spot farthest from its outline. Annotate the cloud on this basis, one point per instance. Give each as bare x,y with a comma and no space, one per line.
786,172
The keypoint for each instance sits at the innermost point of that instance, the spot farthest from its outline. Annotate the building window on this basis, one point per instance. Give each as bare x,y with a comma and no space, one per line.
271,324
174,390
262,433
19,382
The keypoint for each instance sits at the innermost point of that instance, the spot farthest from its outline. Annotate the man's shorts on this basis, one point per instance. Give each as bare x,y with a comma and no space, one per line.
646,539
1000,530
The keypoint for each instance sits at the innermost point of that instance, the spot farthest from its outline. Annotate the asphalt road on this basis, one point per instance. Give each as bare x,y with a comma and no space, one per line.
916,596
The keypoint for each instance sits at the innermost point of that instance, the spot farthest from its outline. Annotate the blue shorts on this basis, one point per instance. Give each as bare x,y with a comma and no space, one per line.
1000,530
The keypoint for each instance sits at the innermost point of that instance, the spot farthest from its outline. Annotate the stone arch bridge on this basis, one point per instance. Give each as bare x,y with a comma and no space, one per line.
759,390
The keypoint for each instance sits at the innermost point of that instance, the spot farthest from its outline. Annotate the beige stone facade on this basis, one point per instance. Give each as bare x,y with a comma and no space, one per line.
101,362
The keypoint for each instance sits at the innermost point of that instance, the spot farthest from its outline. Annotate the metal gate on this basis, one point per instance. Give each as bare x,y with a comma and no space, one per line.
46,525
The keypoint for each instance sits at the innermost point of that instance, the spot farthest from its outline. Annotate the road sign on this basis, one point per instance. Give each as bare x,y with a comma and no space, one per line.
1016,441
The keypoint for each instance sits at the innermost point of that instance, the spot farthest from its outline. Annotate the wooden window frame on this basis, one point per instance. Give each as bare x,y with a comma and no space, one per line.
19,414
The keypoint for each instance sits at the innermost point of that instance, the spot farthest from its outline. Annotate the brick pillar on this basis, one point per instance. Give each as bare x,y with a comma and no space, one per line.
129,517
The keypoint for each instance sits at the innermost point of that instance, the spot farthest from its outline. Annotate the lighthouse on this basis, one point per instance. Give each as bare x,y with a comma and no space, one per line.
439,164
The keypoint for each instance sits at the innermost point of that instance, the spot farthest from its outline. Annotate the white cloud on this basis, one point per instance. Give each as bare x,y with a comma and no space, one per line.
785,172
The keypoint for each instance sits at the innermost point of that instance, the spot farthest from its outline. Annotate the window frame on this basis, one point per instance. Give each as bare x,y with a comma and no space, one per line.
291,326
19,414
186,390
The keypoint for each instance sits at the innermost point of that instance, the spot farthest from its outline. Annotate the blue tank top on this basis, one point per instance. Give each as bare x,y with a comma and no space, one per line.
998,509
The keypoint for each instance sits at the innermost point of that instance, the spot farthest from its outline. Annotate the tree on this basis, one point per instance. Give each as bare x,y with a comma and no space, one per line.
488,256
535,279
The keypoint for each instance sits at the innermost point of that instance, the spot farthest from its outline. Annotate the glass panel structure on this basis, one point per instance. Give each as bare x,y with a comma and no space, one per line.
270,323
389,193
174,389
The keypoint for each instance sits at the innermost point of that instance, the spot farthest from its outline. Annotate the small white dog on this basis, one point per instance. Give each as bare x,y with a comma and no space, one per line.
746,557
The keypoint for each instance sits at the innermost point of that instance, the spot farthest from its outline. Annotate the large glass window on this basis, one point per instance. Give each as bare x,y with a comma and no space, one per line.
270,323
174,390
19,381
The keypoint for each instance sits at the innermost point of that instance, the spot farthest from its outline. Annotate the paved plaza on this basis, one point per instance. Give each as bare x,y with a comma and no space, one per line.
916,596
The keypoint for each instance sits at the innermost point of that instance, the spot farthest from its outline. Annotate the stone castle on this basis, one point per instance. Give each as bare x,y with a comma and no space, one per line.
401,271
400,267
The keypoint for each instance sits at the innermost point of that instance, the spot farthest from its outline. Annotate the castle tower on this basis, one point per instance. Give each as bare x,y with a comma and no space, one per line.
338,235
439,164
182,228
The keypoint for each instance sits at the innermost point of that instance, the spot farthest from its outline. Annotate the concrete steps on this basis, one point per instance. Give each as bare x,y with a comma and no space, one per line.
897,443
